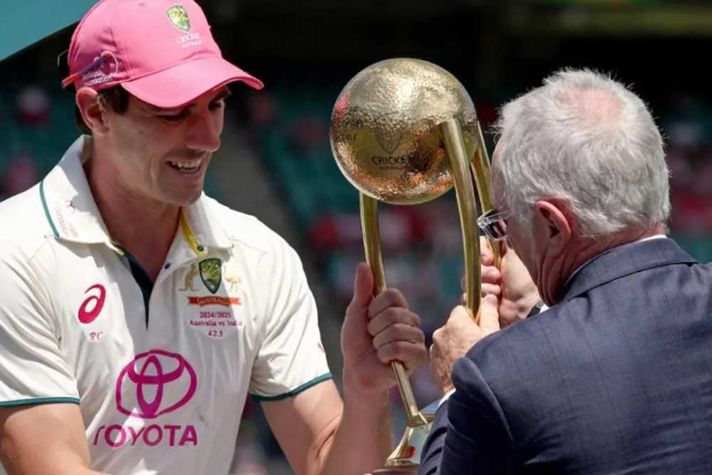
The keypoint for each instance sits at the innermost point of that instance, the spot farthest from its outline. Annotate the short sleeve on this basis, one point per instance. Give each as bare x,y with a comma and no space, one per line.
32,367
291,357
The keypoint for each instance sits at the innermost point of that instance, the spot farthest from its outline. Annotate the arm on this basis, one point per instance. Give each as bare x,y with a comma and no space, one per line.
316,424
55,431
433,448
457,336
451,442
470,433
478,437
36,436
323,435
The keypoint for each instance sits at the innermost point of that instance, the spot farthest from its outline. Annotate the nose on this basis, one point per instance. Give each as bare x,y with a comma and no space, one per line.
204,131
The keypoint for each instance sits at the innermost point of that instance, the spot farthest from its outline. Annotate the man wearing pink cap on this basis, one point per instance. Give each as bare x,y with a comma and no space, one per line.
137,314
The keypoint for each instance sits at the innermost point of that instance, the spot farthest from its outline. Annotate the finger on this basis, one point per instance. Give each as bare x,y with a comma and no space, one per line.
490,274
391,316
387,299
490,289
410,354
489,315
485,289
363,289
398,332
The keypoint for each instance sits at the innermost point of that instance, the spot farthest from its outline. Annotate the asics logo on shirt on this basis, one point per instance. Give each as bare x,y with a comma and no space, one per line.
91,307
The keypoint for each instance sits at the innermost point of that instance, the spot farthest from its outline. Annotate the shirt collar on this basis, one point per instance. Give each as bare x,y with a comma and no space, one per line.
73,215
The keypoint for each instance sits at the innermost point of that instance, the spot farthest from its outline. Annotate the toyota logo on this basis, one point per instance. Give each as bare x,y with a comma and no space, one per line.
154,383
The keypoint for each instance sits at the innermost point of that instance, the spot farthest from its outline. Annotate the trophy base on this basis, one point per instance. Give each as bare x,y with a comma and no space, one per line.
396,470
405,459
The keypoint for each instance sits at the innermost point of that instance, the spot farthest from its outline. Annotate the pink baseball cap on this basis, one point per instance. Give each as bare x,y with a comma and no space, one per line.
161,51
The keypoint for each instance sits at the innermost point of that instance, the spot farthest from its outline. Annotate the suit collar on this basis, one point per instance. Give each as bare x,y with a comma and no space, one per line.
624,260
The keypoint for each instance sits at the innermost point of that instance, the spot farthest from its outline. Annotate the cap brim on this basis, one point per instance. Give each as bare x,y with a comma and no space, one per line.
182,84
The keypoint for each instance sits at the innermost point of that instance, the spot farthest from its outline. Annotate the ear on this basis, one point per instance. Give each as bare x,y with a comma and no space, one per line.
553,223
92,110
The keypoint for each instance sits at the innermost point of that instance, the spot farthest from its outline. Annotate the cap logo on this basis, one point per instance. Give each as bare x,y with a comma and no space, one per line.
179,17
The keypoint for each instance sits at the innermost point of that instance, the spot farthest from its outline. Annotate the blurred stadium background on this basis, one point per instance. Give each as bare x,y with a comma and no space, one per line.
276,162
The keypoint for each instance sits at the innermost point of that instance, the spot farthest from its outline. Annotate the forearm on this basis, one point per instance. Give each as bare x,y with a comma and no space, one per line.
361,440
55,431
47,465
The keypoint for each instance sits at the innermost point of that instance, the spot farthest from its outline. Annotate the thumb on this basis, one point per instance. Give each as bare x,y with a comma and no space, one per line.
489,314
363,289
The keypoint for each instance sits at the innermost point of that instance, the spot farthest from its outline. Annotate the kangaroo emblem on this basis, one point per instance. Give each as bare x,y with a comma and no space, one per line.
189,276
233,281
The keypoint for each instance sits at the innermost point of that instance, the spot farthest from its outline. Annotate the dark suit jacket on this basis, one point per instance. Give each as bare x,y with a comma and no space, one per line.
616,378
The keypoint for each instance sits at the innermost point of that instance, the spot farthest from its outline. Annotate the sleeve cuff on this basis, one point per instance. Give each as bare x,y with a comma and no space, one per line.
537,309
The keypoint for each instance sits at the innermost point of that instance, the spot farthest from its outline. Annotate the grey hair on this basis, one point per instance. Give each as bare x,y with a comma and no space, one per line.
587,139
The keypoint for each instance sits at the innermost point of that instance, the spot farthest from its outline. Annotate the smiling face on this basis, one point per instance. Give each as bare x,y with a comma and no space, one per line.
161,155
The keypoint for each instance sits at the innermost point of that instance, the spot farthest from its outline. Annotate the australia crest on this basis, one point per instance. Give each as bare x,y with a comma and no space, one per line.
211,273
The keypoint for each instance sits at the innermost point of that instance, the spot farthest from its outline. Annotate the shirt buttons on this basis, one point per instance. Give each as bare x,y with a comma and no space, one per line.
167,266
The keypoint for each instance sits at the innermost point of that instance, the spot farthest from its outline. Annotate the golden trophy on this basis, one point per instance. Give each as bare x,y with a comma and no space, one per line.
403,131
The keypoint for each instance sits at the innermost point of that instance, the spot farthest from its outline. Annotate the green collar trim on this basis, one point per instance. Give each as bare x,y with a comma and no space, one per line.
43,198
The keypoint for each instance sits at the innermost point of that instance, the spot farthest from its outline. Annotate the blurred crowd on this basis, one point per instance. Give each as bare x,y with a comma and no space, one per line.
28,110
688,129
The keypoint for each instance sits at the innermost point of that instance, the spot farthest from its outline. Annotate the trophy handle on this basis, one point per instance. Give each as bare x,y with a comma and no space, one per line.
480,165
455,145
374,258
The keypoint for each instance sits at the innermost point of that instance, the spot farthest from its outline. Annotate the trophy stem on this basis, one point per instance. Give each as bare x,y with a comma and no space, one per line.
481,170
371,240
480,165
374,257
464,189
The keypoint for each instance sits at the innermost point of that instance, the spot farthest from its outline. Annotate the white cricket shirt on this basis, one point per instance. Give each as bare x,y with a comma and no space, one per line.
160,375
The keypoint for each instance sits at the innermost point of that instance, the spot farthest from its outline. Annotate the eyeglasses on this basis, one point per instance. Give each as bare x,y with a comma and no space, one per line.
493,224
